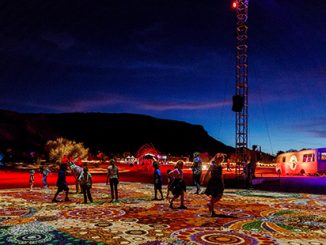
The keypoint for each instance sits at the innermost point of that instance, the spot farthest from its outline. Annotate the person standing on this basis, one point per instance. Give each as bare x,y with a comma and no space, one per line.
62,183
254,158
85,180
157,180
215,184
178,186
113,175
31,179
45,172
247,170
76,171
196,171
170,180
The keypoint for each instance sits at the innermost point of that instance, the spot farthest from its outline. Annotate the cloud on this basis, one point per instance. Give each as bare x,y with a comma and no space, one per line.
110,101
315,127
185,106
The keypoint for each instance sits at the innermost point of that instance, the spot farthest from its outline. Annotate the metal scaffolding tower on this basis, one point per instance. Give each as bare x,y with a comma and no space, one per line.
241,7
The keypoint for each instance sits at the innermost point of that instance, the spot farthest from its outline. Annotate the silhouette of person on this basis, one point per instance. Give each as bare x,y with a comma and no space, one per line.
178,186
113,175
157,180
85,180
196,171
31,179
62,183
215,184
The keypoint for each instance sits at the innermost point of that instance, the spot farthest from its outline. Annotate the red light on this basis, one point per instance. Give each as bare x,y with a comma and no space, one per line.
234,5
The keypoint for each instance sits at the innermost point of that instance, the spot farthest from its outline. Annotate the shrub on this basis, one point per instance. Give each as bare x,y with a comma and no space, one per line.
56,149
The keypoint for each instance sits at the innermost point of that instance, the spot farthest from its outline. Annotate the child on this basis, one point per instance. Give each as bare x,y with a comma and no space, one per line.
170,180
113,174
45,172
157,180
85,180
215,185
178,187
31,179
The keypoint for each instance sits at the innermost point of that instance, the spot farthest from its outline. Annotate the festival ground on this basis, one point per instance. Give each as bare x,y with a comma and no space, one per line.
246,216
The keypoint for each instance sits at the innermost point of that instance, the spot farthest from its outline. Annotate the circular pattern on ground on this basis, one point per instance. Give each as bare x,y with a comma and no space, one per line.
14,212
103,224
136,232
31,238
211,235
93,213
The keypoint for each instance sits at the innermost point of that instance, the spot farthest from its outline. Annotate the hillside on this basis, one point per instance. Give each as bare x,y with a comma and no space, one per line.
110,133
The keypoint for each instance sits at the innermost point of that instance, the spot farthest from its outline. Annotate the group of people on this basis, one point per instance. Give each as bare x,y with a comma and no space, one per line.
177,186
176,183
44,170
213,178
83,180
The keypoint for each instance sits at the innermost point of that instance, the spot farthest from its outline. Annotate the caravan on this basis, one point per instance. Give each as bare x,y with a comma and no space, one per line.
310,161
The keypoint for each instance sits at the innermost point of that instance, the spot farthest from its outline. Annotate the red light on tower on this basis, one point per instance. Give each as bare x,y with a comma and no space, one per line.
234,5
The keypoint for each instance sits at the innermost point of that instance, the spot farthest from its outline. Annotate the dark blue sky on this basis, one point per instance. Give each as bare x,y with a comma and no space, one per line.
171,59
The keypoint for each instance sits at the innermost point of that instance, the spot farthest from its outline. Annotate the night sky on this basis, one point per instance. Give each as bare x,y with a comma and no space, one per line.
171,59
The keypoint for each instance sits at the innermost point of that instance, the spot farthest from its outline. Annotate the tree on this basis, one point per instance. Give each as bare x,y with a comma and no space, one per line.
59,147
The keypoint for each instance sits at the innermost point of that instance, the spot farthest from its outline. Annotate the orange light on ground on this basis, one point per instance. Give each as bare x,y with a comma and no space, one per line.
234,5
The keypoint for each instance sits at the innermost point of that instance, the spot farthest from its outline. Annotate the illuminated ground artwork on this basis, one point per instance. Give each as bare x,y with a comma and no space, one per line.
247,217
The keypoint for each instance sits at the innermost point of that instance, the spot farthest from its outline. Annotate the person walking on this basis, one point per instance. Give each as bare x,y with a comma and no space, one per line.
45,172
157,181
85,180
62,183
215,184
178,186
113,175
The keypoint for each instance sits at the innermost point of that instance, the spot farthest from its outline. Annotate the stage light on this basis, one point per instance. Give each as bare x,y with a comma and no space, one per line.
234,5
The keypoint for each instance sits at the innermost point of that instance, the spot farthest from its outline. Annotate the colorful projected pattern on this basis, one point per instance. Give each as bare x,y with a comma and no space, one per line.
245,217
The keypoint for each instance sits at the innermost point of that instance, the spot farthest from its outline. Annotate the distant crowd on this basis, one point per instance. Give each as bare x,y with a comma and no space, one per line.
176,186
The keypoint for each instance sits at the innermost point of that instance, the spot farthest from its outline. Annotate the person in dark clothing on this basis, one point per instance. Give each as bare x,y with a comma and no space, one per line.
170,180
215,185
247,169
157,181
85,180
178,186
113,175
196,171
62,183
255,155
